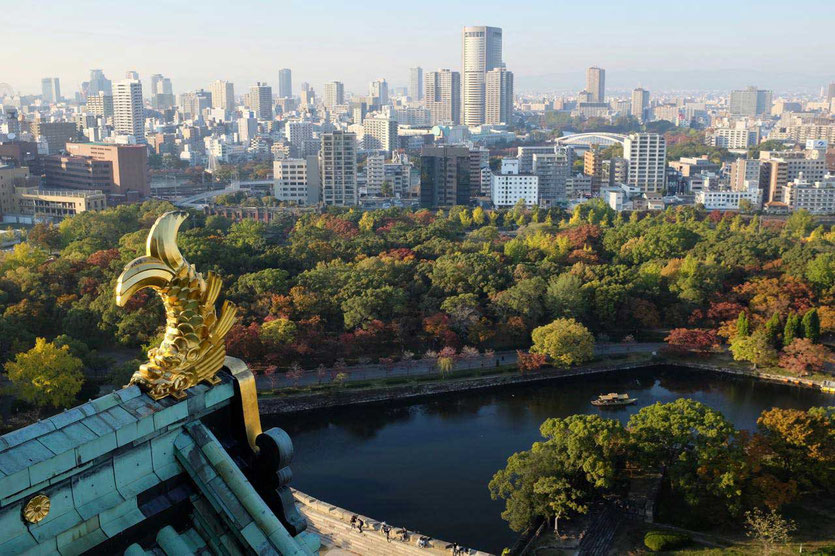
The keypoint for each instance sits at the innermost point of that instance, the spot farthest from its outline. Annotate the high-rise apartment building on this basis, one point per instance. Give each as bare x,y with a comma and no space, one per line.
285,83
50,89
261,101
481,52
223,95
416,83
553,170
296,180
640,104
193,103
830,94
443,96
100,104
750,102
338,168
334,94
297,133
646,154
444,176
498,96
379,134
593,167
128,111
247,127
744,170
379,89
509,186
596,84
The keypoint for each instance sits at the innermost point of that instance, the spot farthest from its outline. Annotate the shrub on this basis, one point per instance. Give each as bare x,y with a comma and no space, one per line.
665,540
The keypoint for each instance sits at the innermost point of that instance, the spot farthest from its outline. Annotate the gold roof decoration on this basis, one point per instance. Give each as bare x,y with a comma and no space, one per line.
193,349
36,508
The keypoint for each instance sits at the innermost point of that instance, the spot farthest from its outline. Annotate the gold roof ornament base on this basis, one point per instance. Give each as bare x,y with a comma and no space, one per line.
193,348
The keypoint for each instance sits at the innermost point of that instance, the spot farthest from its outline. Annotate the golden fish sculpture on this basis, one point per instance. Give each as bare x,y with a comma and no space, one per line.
193,349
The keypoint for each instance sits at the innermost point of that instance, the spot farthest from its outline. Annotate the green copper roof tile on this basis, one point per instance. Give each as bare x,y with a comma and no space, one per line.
256,539
58,442
133,471
81,538
88,409
219,393
47,547
193,539
128,393
79,433
171,542
68,417
95,491
135,550
170,415
11,525
15,482
117,417
18,544
162,455
45,470
23,456
104,403
93,449
46,530
141,406
119,518
98,425
20,436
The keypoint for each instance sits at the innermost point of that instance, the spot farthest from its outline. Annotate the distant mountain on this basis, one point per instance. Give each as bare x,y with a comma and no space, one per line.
678,80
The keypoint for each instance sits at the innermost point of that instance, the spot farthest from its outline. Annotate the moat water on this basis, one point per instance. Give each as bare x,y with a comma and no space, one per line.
426,465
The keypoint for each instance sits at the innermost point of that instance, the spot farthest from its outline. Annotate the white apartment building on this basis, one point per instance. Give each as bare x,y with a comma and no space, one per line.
247,127
442,96
128,109
646,154
498,96
729,200
334,95
397,174
409,115
734,138
744,170
261,101
817,197
297,132
379,134
290,180
223,95
509,186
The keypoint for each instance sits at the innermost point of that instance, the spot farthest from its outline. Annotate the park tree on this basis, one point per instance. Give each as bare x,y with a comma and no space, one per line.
565,341
754,348
699,340
742,326
528,362
792,330
811,325
820,272
280,331
46,375
772,330
770,529
580,458
564,296
802,357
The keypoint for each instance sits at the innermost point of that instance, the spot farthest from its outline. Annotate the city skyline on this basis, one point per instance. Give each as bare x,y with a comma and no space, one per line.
541,58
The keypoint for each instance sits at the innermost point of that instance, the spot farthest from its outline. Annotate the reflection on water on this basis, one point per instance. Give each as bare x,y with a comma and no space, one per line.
426,465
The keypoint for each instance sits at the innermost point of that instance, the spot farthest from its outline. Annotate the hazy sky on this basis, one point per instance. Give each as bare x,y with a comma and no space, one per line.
245,41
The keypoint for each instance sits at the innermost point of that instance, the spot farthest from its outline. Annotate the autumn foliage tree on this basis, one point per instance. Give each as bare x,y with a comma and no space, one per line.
802,357
46,375
683,340
528,362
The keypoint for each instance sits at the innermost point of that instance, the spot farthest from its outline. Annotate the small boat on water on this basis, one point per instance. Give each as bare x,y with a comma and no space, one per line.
613,400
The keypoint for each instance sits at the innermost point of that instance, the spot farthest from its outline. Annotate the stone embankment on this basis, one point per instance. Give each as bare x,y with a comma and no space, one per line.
337,533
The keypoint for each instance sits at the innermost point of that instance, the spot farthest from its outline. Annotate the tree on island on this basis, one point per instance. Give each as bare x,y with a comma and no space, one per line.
565,341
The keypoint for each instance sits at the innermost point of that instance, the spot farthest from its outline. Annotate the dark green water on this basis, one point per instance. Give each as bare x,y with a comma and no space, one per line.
426,465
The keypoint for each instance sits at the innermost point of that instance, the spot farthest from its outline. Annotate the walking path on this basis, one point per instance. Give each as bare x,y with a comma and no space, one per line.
423,367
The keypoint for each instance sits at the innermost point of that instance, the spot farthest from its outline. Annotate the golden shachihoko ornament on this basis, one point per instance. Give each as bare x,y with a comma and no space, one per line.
193,349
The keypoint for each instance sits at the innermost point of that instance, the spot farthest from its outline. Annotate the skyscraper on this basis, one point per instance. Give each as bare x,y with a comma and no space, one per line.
640,103
379,134
223,95
99,83
128,111
261,101
380,90
338,168
830,93
416,83
50,89
334,94
596,83
481,52
750,102
285,83
443,96
162,94
646,154
132,74
498,96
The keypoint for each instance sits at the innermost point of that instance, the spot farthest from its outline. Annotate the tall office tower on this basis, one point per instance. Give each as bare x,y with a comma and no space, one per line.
247,127
334,94
99,83
223,95
50,89
646,153
830,94
498,96
128,111
481,52
640,103
380,90
750,102
593,167
156,81
261,101
443,96
379,134
444,176
416,83
162,94
132,74
596,83
479,161
285,83
192,104
338,168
